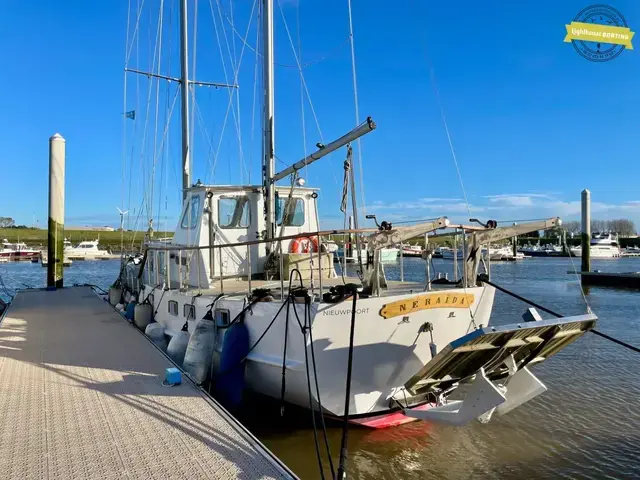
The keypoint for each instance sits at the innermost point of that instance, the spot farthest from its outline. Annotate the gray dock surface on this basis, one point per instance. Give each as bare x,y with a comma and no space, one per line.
81,398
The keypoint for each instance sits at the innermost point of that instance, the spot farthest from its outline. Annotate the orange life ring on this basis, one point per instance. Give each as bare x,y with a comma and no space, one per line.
304,245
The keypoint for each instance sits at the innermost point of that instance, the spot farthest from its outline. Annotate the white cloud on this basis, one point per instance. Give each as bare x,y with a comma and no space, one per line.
503,206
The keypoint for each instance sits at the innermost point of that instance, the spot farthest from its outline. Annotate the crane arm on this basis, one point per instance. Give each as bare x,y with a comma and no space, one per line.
478,239
388,238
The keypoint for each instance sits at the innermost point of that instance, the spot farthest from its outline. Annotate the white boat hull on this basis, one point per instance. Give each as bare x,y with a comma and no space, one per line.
598,252
387,351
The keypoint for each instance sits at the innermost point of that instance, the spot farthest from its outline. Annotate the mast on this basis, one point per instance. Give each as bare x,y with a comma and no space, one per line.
184,91
268,144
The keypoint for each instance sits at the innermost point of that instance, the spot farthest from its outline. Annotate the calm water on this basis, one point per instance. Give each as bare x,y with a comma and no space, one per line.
586,426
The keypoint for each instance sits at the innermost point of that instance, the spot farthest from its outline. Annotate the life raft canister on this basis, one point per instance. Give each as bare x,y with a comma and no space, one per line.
304,245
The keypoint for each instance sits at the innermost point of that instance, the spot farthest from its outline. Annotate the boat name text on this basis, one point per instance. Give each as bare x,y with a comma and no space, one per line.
425,302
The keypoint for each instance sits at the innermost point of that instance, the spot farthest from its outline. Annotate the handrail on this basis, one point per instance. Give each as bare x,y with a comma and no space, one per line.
260,241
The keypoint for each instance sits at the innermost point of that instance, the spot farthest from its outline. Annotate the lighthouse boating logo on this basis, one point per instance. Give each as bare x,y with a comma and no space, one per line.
599,33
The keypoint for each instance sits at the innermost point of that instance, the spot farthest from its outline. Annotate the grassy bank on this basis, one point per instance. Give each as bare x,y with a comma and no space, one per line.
35,237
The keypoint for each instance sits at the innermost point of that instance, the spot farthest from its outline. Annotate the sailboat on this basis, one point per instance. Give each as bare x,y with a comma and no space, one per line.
252,257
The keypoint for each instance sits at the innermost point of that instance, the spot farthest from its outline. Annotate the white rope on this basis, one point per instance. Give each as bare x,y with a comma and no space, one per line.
355,100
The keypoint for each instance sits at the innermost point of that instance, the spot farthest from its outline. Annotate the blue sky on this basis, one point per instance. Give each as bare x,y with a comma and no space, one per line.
532,122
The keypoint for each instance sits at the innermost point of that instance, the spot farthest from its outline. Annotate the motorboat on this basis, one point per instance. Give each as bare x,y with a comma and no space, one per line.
18,251
602,245
411,250
86,250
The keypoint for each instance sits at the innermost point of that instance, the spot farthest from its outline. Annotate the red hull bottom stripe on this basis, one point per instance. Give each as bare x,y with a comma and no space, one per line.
392,419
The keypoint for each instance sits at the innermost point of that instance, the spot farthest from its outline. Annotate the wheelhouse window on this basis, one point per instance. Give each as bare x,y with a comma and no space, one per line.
173,308
192,213
290,212
234,212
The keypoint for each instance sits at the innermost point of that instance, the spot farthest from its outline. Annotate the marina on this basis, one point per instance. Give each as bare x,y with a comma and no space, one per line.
329,259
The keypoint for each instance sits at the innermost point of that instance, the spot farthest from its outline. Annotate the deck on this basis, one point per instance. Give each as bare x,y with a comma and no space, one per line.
234,286
81,397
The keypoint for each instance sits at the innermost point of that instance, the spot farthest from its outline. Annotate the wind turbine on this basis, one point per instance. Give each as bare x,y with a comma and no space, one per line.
122,214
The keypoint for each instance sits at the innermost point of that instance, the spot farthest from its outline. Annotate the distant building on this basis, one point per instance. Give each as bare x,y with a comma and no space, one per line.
91,229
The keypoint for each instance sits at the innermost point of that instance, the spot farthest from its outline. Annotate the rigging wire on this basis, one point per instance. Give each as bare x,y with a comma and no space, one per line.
164,137
239,121
254,101
577,275
231,93
357,110
148,106
320,59
124,117
134,37
302,119
304,83
167,117
157,113
446,129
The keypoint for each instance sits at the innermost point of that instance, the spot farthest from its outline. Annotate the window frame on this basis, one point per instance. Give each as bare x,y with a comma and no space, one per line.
189,311
218,315
237,198
170,304
194,217
283,208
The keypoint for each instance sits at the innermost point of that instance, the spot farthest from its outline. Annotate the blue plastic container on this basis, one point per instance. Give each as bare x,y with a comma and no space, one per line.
172,376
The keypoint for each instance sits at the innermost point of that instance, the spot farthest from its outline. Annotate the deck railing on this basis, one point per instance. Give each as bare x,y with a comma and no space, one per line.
158,254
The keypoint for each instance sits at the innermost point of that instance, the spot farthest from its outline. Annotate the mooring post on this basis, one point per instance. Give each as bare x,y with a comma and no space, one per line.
586,230
55,240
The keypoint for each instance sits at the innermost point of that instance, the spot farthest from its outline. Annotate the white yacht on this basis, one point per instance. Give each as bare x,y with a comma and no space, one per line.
504,253
602,245
246,275
86,250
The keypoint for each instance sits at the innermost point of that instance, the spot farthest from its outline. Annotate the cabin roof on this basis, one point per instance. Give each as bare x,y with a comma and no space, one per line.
248,188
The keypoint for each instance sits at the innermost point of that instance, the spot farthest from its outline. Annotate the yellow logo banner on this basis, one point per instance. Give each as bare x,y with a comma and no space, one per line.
593,32
425,302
